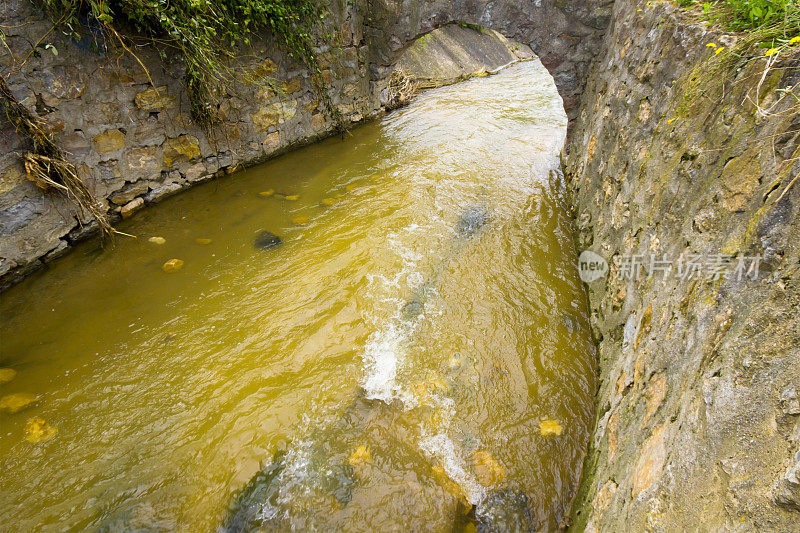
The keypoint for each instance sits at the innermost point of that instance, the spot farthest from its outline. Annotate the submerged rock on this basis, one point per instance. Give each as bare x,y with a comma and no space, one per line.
253,504
412,308
38,430
267,193
266,239
203,241
415,305
338,481
173,265
506,510
472,220
157,240
487,470
264,502
360,456
7,374
14,403
550,427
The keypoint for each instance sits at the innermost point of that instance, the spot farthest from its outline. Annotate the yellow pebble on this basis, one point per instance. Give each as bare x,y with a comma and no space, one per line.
7,374
350,187
487,470
550,427
360,456
340,195
157,240
14,403
267,193
292,197
203,241
299,220
173,265
38,430
328,201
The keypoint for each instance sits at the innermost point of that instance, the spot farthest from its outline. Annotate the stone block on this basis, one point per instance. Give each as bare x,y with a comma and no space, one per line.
131,207
181,149
109,141
143,162
273,114
154,99
128,193
292,86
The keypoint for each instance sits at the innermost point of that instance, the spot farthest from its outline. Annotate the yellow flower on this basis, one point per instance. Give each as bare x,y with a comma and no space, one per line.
712,45
794,40
771,52
718,50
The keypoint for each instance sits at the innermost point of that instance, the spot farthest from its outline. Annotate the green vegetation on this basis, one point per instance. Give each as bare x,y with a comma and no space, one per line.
773,21
756,13
767,33
749,14
205,32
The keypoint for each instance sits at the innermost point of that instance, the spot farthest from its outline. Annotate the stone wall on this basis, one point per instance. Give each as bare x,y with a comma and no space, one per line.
130,135
698,417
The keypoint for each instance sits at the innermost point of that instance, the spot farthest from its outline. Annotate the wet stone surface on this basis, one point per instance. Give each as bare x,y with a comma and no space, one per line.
265,240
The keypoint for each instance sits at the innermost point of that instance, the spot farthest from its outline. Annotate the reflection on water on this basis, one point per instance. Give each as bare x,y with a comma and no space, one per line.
405,352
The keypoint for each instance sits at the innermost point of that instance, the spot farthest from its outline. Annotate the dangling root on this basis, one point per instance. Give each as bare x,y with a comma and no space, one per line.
47,165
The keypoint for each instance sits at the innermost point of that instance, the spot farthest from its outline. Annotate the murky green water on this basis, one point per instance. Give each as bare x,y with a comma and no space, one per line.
408,360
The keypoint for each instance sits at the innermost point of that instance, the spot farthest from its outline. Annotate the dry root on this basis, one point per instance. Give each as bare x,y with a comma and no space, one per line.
46,165
401,89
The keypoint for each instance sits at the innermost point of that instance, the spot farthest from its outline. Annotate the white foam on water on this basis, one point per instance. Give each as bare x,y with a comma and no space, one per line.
513,167
381,358
441,447
383,353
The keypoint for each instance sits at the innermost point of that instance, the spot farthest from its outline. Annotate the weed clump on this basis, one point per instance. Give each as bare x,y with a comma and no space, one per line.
401,89
205,32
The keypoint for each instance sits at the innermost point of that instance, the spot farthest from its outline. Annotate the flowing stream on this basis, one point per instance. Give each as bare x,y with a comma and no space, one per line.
414,355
